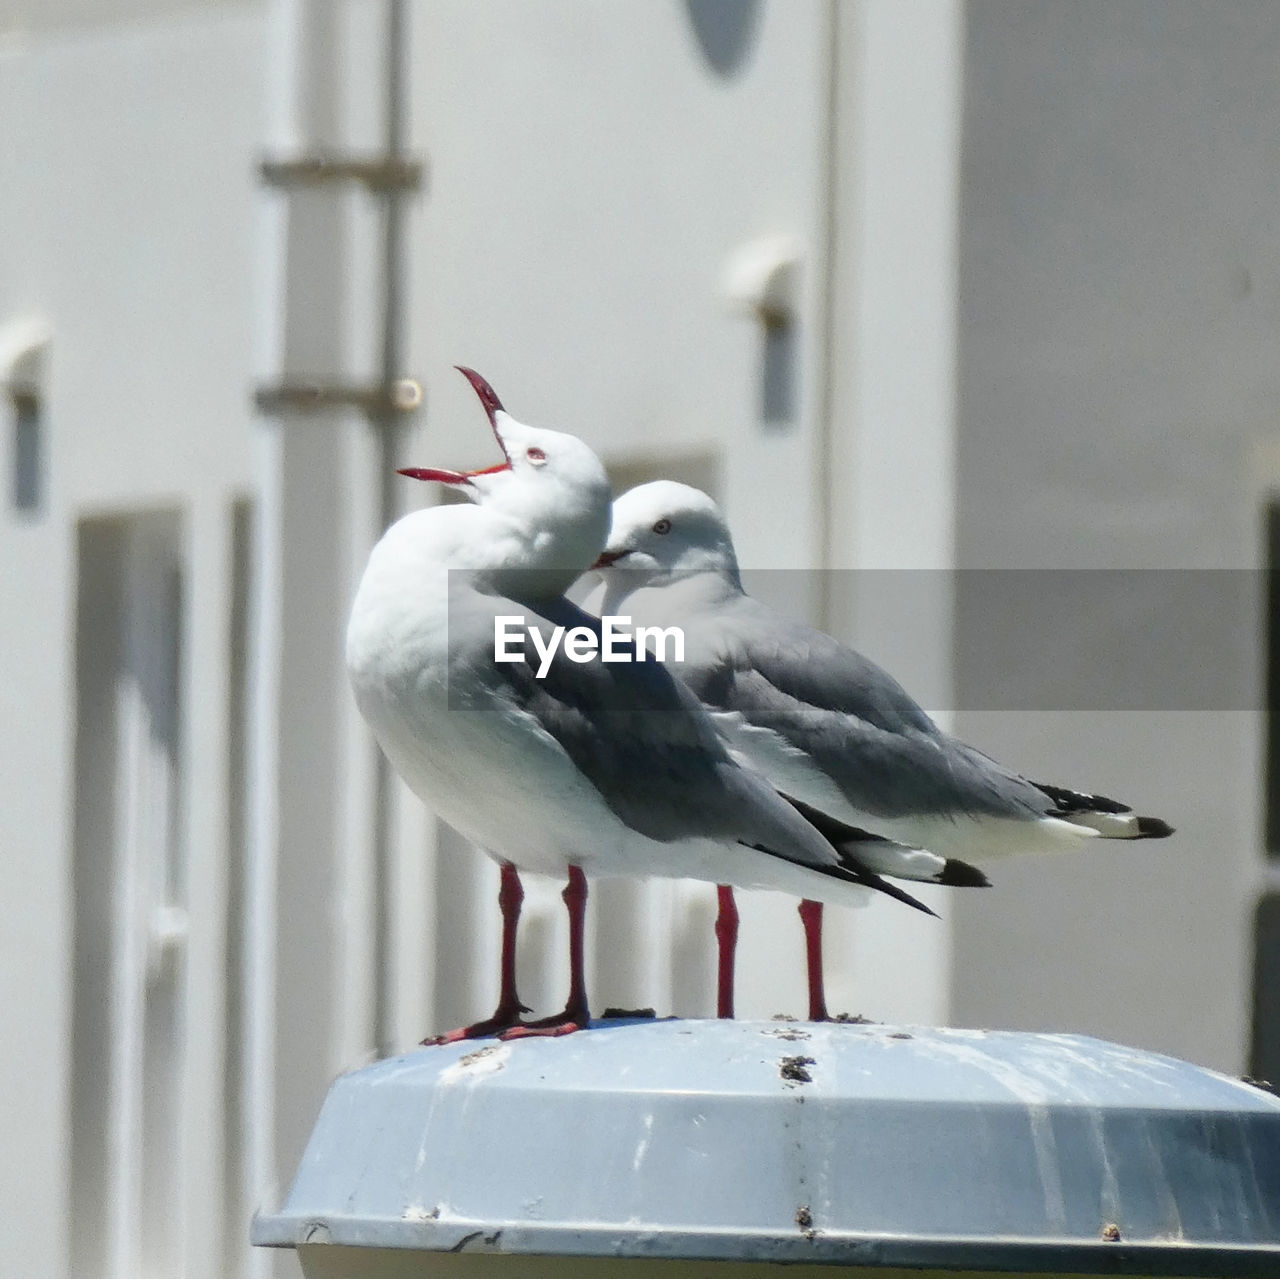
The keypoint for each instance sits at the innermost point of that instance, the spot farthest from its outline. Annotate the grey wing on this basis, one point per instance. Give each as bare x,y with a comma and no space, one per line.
851,718
642,739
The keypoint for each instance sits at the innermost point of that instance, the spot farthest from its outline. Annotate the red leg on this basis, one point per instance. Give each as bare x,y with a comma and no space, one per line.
507,1014
727,936
510,899
575,900
576,1014
811,917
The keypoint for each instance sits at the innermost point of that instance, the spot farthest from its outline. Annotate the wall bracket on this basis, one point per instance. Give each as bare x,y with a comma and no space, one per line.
376,400
379,173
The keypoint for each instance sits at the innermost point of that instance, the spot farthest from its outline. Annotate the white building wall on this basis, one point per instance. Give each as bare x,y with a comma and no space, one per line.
1117,337
128,211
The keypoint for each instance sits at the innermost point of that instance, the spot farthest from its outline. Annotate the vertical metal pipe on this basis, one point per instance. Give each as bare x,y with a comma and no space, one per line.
387,423
262,799
824,310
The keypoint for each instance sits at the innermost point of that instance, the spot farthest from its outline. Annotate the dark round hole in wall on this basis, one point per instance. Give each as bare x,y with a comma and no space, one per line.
726,30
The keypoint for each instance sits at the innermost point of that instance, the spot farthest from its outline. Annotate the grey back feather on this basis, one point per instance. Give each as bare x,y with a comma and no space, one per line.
852,718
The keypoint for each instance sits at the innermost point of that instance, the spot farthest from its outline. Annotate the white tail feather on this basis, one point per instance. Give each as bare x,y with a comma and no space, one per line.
1108,825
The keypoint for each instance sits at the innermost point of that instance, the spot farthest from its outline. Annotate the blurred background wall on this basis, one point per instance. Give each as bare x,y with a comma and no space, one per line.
962,293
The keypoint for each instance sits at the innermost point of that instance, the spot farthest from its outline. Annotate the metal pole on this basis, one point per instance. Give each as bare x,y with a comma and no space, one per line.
387,423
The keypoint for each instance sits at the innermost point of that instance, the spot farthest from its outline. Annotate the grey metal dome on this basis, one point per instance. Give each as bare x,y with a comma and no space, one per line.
843,1144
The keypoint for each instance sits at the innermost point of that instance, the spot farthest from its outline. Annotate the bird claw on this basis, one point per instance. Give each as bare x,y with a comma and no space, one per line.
503,1020
574,1018
549,1028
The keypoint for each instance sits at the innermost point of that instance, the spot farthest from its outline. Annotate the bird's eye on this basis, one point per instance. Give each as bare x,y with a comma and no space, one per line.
536,455
662,526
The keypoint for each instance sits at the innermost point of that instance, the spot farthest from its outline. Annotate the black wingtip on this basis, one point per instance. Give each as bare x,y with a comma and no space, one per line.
919,905
890,889
852,872
1075,801
958,874
1153,828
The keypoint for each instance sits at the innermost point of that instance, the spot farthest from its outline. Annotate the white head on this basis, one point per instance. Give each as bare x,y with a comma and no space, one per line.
664,531
549,495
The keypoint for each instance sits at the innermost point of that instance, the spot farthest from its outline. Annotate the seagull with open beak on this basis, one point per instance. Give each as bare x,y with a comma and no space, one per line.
584,767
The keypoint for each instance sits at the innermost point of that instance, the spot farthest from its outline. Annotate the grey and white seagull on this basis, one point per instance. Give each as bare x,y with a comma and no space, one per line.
560,766
829,728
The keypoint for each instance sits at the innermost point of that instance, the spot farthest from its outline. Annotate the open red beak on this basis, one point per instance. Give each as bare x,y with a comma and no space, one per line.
605,558
492,405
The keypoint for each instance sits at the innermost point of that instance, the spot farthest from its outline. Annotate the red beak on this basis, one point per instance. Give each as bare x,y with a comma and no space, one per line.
605,558
449,477
492,406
